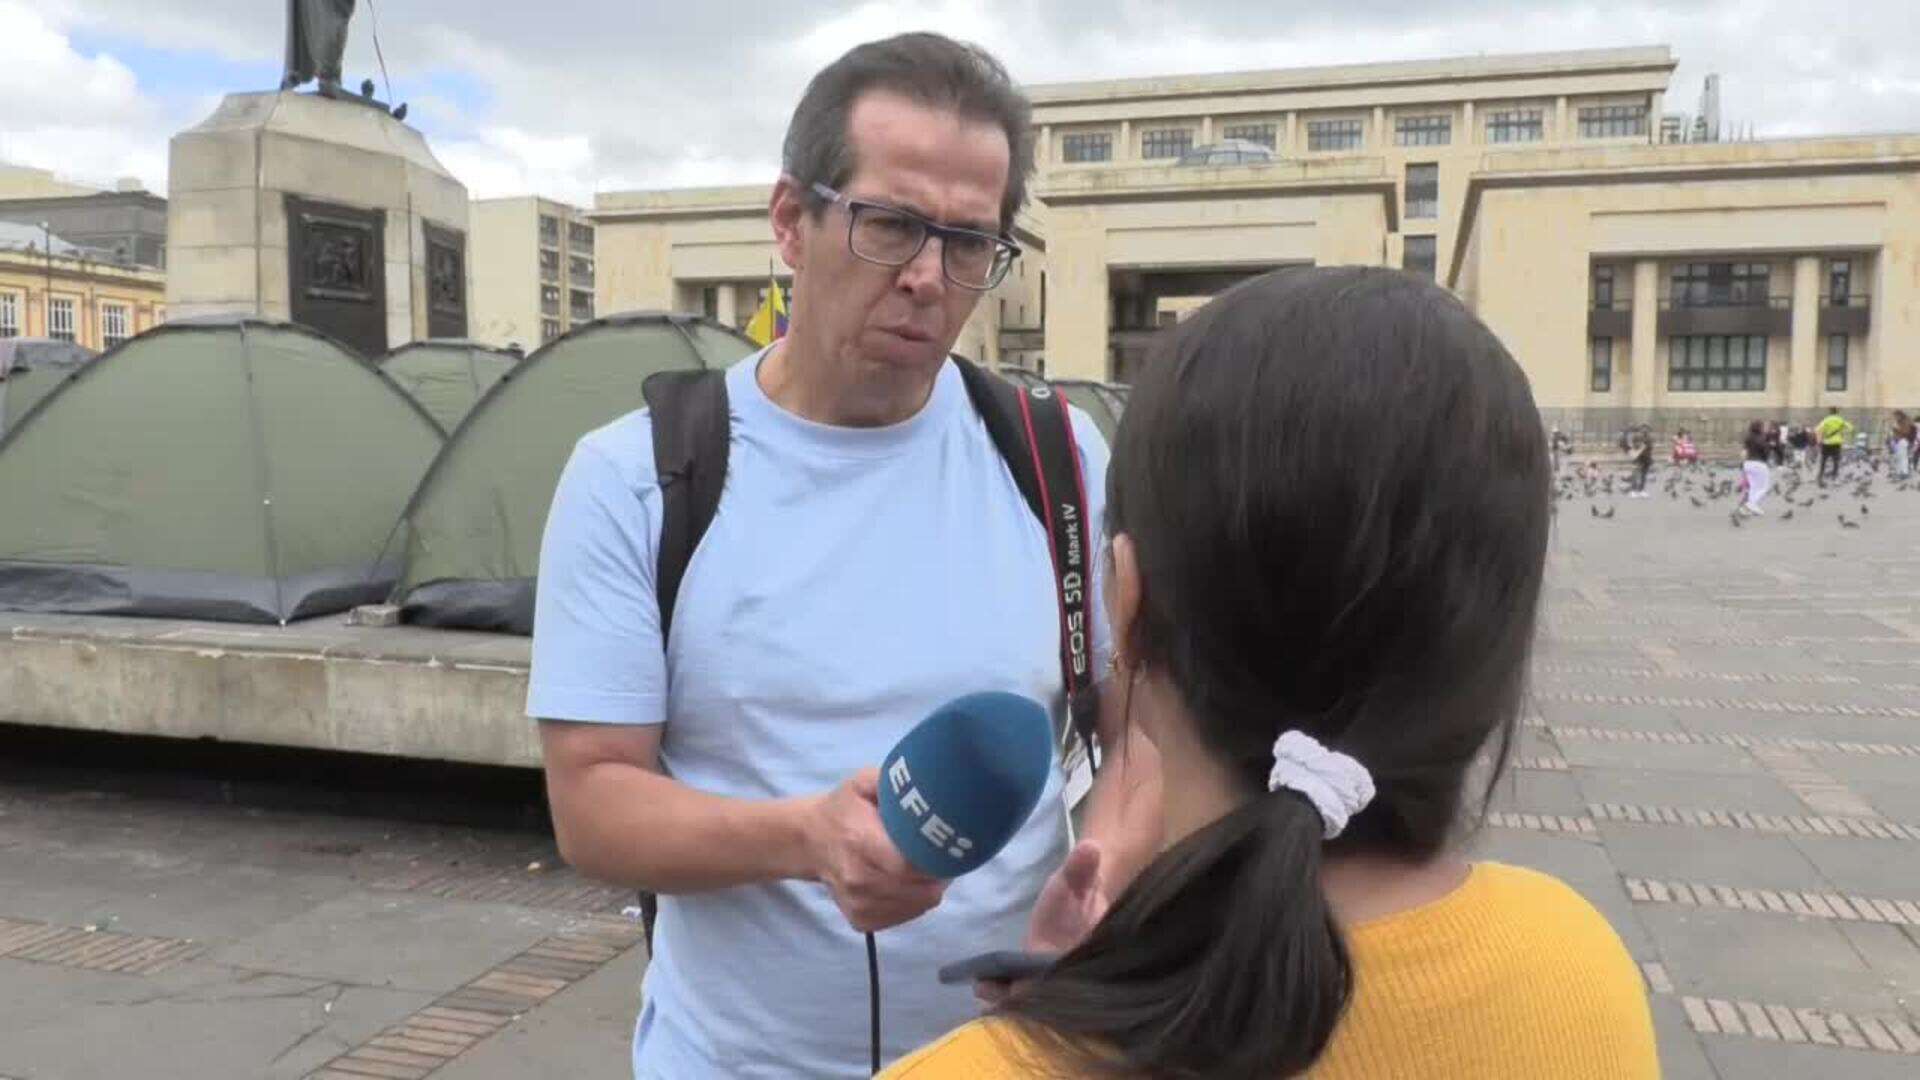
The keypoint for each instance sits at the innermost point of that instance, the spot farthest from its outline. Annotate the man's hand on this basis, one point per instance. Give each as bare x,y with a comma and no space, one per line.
851,854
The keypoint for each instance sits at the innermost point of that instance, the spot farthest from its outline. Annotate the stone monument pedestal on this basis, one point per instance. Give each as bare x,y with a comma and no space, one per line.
320,211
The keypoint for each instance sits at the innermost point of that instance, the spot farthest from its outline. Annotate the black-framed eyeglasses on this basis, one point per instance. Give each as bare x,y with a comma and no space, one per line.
890,236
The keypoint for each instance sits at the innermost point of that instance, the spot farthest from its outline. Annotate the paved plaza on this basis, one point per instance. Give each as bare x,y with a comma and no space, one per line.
1723,754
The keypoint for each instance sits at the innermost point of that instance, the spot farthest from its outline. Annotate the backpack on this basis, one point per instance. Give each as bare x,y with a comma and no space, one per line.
1031,428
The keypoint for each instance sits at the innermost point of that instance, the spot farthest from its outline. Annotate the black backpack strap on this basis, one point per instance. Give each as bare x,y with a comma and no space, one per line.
690,432
1033,431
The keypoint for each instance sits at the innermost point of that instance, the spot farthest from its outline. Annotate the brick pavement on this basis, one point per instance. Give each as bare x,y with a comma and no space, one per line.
1722,753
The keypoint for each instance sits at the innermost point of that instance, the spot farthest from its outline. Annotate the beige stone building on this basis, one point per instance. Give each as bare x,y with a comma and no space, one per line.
1632,273
534,271
94,303
710,251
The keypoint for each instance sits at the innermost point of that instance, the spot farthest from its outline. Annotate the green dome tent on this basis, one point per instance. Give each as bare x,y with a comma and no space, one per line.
237,470
471,534
30,369
446,376
1101,402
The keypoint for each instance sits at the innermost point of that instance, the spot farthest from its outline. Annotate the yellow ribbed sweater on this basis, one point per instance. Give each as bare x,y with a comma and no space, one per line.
1511,975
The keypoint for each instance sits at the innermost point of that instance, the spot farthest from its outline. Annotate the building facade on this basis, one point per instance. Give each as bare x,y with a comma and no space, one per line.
710,251
1690,278
534,270
128,227
96,304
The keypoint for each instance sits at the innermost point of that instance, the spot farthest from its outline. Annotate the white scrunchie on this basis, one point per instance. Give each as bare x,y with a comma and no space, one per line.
1337,785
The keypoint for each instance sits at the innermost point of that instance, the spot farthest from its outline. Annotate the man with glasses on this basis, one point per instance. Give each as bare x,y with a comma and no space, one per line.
871,559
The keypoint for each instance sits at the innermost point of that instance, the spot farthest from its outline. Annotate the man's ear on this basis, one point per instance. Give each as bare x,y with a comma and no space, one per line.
788,211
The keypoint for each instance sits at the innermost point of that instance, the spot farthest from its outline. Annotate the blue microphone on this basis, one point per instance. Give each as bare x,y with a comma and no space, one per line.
959,785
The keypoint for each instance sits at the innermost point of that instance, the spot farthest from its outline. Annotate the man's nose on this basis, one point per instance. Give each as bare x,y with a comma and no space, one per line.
923,276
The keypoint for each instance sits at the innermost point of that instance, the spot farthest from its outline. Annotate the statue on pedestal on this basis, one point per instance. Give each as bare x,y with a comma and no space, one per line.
316,40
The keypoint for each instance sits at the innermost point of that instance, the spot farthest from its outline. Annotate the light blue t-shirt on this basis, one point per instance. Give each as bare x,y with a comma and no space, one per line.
852,581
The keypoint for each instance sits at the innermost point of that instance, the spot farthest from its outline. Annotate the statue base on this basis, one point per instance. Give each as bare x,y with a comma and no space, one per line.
319,210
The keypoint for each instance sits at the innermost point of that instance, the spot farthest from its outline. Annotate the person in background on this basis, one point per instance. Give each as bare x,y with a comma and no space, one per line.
1759,478
1801,440
1833,433
1642,462
1902,438
1326,637
1562,446
1684,451
1776,444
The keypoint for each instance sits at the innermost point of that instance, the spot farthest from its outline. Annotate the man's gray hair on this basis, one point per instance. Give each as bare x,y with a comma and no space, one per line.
930,69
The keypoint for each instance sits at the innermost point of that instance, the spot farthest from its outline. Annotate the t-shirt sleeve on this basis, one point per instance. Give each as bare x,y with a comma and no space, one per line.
1094,456
597,651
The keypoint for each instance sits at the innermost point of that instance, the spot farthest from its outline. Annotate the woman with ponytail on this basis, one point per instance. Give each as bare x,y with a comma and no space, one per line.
1326,636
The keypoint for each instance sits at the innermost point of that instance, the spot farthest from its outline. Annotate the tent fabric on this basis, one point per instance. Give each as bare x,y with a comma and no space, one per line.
30,369
471,534
1101,402
244,471
446,376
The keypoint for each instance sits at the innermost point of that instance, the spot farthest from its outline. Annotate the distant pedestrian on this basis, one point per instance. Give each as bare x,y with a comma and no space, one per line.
1642,463
1903,433
1776,444
1562,446
1758,476
1801,440
1833,433
1684,450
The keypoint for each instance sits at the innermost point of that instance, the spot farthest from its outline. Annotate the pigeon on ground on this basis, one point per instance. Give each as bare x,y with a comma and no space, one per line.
1788,516
1735,518
1609,513
1845,524
1863,509
1696,502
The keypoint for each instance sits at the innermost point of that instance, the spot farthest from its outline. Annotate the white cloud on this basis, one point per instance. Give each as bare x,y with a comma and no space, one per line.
71,113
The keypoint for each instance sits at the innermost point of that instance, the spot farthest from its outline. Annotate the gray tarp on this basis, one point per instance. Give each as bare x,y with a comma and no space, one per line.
30,369
245,471
471,534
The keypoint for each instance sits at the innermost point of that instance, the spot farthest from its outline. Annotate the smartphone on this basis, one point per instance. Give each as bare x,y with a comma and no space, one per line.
1004,965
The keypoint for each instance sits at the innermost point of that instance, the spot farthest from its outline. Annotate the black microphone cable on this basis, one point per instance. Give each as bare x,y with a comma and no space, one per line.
873,1001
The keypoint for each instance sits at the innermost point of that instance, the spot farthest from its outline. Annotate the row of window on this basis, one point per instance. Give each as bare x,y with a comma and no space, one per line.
116,319
579,236
1711,363
1703,284
1519,125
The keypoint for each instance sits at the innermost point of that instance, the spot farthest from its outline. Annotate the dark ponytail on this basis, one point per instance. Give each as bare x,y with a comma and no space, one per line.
1221,961
1335,484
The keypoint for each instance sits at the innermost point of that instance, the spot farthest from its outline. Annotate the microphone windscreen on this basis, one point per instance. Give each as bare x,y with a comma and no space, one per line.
959,785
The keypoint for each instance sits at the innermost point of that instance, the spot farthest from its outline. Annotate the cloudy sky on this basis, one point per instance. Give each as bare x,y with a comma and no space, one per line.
567,97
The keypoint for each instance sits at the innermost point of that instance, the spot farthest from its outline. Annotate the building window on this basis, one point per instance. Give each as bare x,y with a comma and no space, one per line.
1717,362
549,230
1166,143
549,266
549,300
60,318
580,237
1266,135
1721,285
580,305
1612,121
1323,135
549,329
1839,282
1423,191
114,320
9,314
580,271
1837,362
1516,125
1423,130
710,302
1600,365
1087,146
1603,288
1418,256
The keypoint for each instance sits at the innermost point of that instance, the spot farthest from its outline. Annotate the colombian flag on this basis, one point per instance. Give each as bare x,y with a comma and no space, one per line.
769,324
